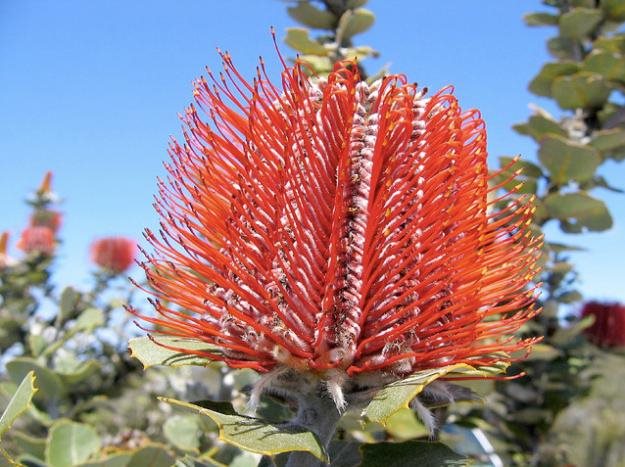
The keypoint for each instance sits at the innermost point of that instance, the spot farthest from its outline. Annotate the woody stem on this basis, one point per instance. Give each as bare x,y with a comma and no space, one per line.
316,412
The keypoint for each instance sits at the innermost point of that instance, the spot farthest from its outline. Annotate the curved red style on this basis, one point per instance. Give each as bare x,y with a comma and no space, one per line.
330,224
115,254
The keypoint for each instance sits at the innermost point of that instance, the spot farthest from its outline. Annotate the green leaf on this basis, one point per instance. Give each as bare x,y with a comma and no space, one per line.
320,65
9,331
398,395
529,169
355,22
353,4
114,460
540,19
579,22
70,298
149,353
561,247
50,385
19,402
564,335
541,84
563,48
567,160
610,65
71,443
404,425
614,9
298,39
29,444
608,140
610,43
84,371
153,455
88,320
583,209
183,431
580,91
539,126
543,352
254,435
409,453
311,16
571,296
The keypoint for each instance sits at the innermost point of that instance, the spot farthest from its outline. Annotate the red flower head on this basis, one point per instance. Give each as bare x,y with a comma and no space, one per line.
608,330
115,254
37,239
45,218
334,226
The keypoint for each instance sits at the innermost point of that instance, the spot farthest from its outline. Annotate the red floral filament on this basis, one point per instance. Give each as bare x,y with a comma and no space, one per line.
335,224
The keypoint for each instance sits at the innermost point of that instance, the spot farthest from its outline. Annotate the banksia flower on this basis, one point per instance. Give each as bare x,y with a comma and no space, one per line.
37,239
337,228
114,254
4,243
608,329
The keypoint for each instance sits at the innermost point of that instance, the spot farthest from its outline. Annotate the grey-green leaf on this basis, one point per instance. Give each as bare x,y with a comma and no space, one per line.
183,431
313,17
299,39
582,90
19,402
584,209
149,353
355,22
50,385
579,22
152,455
409,454
255,435
567,160
540,19
539,126
541,84
71,443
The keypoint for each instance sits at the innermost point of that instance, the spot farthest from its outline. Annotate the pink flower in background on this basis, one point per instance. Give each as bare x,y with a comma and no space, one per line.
115,254
608,330
37,239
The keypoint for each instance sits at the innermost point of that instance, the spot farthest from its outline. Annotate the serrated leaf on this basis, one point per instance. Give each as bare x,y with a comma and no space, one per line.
409,453
541,84
183,431
298,39
152,455
610,65
398,395
540,19
255,435
71,443
539,126
355,22
583,209
19,402
313,17
149,353
49,384
583,90
567,160
579,22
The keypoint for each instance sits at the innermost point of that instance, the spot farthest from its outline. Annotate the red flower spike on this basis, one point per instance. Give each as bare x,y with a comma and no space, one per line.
608,329
332,225
46,218
114,254
37,239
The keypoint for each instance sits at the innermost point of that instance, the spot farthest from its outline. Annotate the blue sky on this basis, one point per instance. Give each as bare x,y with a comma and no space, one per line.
91,90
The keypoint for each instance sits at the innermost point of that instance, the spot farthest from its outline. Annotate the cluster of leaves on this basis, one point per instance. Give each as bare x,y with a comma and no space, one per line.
339,21
585,79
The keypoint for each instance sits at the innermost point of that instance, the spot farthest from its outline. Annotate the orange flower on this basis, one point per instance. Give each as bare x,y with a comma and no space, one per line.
332,225
38,239
114,254
4,243
608,330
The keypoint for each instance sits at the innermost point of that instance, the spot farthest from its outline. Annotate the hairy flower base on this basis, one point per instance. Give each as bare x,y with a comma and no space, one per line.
338,228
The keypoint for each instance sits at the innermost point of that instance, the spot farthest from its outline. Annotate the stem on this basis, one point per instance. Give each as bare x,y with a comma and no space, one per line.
318,413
